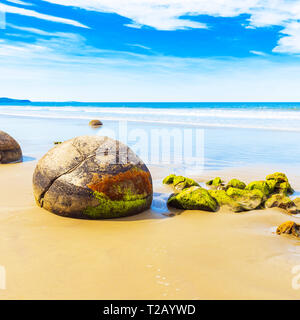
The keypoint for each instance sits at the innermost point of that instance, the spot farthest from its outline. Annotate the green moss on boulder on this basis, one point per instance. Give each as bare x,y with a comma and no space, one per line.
216,183
278,177
285,188
108,208
193,198
169,179
283,202
278,183
223,199
235,183
248,199
297,202
259,185
180,182
272,185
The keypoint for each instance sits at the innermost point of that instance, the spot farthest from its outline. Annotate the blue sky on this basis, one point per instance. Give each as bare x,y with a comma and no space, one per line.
150,50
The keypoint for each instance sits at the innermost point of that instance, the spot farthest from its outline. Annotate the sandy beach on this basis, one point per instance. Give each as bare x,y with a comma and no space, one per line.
193,255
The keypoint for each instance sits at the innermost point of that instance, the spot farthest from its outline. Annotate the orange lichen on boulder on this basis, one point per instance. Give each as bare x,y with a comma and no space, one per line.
289,227
116,187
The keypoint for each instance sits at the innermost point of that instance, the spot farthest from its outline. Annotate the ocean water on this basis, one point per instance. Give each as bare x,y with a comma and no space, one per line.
231,134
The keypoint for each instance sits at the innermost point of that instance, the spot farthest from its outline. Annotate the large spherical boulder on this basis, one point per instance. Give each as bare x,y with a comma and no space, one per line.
10,150
92,177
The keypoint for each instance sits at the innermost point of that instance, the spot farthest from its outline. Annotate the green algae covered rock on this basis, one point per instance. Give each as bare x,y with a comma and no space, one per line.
180,182
283,202
169,179
223,199
297,202
92,177
259,185
235,183
278,183
193,198
278,177
272,185
248,199
285,188
289,227
216,183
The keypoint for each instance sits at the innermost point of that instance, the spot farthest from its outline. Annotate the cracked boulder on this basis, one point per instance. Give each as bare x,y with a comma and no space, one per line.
92,177
10,150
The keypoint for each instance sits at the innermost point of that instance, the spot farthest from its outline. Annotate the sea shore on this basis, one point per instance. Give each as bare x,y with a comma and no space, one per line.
191,255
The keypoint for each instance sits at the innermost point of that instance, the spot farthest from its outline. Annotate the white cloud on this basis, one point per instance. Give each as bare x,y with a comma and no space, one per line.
33,30
31,13
173,14
22,3
291,42
138,46
258,53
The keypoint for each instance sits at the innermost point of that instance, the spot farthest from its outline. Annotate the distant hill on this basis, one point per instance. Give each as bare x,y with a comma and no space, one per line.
13,101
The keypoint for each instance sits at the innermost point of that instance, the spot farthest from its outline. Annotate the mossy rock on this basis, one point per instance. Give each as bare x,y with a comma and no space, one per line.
283,202
169,179
297,202
194,198
278,177
284,188
180,182
216,183
278,183
235,183
272,185
223,199
92,177
289,227
247,199
10,150
259,185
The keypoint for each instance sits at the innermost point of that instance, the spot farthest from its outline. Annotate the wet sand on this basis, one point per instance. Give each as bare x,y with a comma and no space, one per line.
193,255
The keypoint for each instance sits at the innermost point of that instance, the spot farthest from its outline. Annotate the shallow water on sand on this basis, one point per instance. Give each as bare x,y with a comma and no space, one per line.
232,136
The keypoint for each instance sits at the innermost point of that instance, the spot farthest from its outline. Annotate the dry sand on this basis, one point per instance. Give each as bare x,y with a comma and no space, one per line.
194,255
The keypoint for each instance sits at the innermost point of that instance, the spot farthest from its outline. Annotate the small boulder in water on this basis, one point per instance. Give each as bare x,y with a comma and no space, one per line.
10,150
95,123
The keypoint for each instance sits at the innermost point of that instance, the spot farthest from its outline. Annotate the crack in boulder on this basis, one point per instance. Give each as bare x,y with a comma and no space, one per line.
42,196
